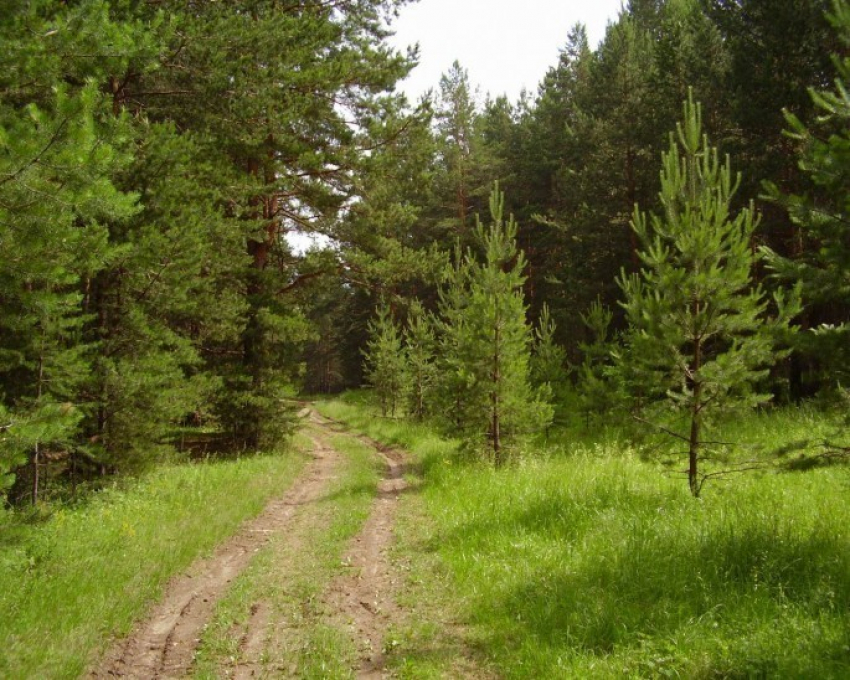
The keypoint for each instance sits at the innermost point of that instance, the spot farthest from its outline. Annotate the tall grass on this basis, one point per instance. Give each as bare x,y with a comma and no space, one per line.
599,564
71,581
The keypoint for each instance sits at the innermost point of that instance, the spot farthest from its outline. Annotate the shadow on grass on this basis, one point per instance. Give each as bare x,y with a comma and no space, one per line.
747,601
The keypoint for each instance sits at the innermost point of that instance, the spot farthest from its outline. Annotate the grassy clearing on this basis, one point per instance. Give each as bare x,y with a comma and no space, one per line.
597,564
289,577
74,578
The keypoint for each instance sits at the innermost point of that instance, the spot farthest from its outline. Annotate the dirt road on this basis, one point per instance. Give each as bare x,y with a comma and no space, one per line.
360,602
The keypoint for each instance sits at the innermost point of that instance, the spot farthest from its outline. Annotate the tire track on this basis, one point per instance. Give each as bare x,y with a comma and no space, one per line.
363,600
164,643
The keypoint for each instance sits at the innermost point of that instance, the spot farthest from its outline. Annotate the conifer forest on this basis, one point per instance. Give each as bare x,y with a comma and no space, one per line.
593,343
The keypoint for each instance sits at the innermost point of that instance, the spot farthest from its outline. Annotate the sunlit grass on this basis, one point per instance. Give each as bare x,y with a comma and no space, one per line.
598,563
73,580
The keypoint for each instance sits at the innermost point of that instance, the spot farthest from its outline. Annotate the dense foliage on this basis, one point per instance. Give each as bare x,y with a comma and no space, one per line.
157,157
153,158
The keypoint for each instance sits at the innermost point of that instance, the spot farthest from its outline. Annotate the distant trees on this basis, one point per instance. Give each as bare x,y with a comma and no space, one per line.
822,263
698,326
154,158
456,116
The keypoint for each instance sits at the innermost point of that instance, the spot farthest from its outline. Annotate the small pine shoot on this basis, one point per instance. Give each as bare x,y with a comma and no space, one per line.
386,361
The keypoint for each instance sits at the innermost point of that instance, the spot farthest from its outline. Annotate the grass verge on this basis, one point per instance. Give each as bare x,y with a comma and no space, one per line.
597,564
74,580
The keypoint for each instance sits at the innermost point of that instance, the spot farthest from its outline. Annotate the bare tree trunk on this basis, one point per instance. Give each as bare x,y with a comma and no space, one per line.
35,462
495,425
693,451
696,416
632,199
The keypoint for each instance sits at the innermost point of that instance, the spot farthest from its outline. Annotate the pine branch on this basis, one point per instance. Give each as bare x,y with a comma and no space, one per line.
53,139
679,436
661,428
162,93
142,295
304,278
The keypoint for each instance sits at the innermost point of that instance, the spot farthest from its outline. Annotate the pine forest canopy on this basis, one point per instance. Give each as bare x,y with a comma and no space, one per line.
154,156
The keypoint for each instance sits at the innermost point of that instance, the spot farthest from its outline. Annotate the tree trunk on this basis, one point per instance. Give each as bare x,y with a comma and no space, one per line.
696,416
693,452
36,450
35,462
496,405
632,199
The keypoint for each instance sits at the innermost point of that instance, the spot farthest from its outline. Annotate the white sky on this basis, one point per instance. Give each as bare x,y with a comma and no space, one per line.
505,45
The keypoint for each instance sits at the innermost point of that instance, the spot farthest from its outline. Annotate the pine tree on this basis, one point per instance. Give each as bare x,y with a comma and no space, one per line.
492,343
453,399
386,360
548,359
421,342
597,391
698,326
455,122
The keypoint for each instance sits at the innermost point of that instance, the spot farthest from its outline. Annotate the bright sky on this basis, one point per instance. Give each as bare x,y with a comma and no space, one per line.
505,45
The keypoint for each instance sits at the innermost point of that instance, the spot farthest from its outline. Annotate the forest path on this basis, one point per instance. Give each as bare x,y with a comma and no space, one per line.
359,601
363,599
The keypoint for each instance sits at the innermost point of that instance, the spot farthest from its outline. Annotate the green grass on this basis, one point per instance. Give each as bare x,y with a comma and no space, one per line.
290,575
599,564
78,576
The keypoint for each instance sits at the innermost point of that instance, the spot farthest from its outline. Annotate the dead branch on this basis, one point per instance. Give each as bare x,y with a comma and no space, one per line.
677,435
747,466
661,428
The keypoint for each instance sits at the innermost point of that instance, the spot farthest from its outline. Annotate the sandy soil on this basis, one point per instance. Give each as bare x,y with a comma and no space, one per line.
363,600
